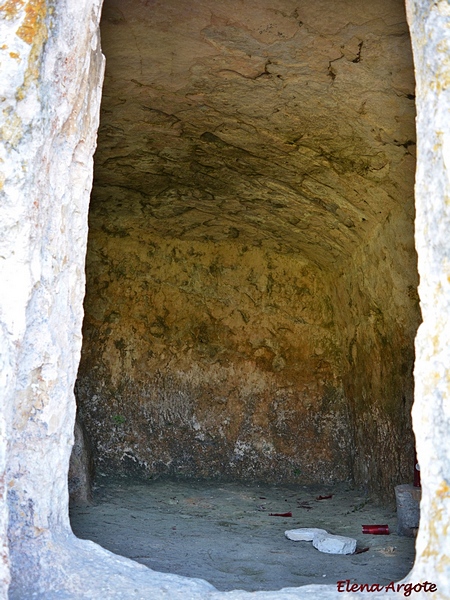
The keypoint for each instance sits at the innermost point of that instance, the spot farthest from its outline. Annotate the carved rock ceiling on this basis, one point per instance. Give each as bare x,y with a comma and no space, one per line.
282,123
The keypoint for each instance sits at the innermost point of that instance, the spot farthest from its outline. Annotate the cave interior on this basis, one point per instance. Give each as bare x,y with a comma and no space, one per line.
251,300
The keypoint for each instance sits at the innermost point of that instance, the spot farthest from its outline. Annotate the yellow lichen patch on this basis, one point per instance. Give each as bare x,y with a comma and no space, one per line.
443,490
10,8
14,55
33,31
33,23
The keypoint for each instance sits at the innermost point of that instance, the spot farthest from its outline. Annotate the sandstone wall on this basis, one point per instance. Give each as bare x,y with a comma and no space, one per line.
224,360
286,129
378,315
209,359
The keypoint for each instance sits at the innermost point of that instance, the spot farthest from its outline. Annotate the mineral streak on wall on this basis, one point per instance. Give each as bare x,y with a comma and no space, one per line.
251,301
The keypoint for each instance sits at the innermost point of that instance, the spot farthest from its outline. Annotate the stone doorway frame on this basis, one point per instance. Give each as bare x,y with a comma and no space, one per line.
51,88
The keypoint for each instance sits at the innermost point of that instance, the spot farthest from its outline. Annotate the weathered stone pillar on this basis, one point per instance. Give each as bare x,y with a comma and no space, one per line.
51,74
430,32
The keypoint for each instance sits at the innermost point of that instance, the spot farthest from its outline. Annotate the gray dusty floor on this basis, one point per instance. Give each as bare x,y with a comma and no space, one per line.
223,532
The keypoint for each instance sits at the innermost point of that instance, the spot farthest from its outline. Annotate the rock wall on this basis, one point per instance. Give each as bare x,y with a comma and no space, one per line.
52,69
187,323
205,359
286,130
209,360
81,466
430,26
378,315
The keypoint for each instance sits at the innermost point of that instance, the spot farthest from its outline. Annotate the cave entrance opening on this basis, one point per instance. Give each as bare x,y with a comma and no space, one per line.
251,298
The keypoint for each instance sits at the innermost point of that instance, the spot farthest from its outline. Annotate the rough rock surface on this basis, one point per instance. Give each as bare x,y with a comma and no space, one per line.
334,544
304,534
408,509
251,301
275,123
81,466
51,74
50,97
322,540
430,26
221,365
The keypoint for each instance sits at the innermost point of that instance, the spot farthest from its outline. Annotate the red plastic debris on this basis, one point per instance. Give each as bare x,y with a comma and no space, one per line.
287,514
376,529
324,497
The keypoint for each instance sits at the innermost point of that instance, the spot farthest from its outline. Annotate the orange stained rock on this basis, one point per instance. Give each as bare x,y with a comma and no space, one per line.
34,20
10,8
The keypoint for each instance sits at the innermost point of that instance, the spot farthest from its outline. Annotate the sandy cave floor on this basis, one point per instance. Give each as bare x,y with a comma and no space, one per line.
223,532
